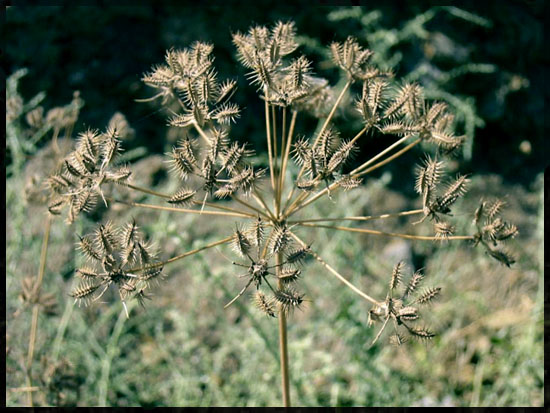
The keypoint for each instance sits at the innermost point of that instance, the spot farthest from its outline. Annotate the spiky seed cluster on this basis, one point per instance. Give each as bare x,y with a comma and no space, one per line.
92,164
284,82
403,311
223,170
492,230
351,58
401,110
120,257
249,243
189,77
435,201
323,162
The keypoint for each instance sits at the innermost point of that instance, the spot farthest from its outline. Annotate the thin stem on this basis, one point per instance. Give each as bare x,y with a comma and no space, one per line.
390,234
281,171
325,124
268,137
287,151
359,218
333,111
36,307
202,133
258,197
283,347
275,158
246,204
183,210
161,195
145,190
389,159
238,211
185,254
334,272
379,155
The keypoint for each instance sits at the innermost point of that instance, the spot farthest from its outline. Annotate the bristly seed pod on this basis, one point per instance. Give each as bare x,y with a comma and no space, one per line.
241,244
83,292
280,239
443,230
503,256
264,304
86,273
182,197
256,232
298,256
396,275
421,333
414,282
289,275
428,295
349,182
87,247
288,299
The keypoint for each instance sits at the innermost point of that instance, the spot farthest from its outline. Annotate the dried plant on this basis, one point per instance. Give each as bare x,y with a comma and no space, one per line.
269,241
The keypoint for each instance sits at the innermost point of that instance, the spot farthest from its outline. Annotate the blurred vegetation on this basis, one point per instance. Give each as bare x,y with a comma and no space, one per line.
489,56
184,349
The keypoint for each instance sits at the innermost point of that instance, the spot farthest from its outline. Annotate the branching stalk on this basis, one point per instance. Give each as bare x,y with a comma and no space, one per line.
359,218
389,234
336,273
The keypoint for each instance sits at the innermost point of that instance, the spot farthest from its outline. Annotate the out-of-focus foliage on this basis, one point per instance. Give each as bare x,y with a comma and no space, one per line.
103,55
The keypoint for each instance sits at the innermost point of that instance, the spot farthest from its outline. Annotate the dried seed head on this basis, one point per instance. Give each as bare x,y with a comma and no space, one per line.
298,256
397,275
289,275
84,292
241,244
150,272
345,152
256,232
181,162
87,246
413,284
56,205
408,313
349,182
502,256
428,175
307,185
129,234
288,299
183,197
421,333
494,209
443,230
226,113
234,157
280,239
428,295
265,304
86,273
106,238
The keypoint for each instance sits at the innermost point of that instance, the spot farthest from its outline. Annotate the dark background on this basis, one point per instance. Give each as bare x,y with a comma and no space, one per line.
103,53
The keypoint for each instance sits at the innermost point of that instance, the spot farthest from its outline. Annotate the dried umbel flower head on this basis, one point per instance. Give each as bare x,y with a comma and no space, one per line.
403,311
120,257
78,185
492,230
249,243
